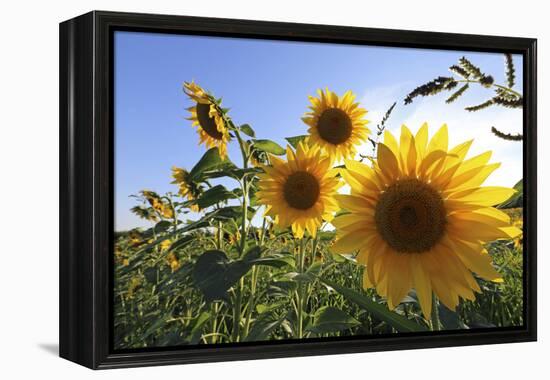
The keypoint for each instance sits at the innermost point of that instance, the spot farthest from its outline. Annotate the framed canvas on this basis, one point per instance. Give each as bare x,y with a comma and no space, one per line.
237,189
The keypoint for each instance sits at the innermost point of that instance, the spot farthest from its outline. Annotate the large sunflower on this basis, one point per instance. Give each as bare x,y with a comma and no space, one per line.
420,218
299,192
336,124
207,117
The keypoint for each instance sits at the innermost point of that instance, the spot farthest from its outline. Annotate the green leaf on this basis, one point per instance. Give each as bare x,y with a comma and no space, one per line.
214,274
329,319
263,308
247,129
299,277
240,173
276,261
295,140
214,195
163,225
182,242
516,200
151,275
282,288
223,169
262,327
209,160
269,147
379,311
209,274
252,254
450,319
196,333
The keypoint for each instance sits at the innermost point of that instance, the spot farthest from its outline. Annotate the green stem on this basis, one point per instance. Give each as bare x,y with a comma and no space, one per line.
220,235
215,321
250,307
435,321
237,312
300,301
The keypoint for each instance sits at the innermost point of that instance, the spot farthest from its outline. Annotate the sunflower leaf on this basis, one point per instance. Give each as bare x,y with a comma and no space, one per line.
247,129
295,140
379,311
209,160
215,195
269,147
329,319
263,327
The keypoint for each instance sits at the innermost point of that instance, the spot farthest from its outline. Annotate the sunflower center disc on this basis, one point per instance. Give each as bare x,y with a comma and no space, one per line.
334,126
301,190
208,124
410,216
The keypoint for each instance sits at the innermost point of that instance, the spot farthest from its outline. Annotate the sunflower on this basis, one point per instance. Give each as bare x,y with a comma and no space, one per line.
420,218
336,124
163,209
165,244
207,116
173,262
187,189
299,192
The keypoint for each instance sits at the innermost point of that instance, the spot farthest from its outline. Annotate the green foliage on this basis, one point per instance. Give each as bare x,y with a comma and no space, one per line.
395,320
247,129
215,195
329,319
209,160
269,147
295,140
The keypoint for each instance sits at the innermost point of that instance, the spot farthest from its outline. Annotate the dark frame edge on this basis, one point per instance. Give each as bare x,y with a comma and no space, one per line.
76,254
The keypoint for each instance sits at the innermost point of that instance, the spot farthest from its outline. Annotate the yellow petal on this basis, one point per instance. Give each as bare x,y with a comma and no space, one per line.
348,243
477,231
391,142
440,141
408,151
473,177
353,202
366,281
485,196
387,162
475,257
421,140
422,285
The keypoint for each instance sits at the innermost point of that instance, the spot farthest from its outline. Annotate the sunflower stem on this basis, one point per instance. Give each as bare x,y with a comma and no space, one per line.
237,311
300,316
435,321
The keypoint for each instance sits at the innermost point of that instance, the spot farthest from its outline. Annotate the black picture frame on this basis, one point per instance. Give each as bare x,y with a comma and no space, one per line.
86,186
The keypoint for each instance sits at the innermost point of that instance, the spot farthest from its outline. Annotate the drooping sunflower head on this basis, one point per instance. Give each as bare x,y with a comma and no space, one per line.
336,124
146,213
299,192
187,188
158,204
207,116
419,218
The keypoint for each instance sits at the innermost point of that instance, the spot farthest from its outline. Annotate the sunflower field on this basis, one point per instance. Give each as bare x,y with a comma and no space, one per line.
315,240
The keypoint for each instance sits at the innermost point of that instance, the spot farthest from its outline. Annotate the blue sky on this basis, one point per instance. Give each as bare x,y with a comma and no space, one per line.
266,84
